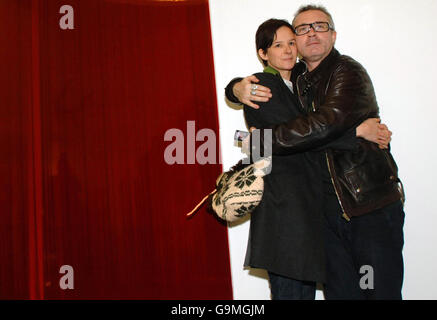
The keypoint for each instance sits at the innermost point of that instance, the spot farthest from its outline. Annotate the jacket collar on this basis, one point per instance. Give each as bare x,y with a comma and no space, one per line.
315,75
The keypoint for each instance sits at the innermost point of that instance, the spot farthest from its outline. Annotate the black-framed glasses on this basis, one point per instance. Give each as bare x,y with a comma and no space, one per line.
318,26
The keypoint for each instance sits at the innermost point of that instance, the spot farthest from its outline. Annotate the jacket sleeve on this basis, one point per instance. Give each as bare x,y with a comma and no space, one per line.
228,90
349,100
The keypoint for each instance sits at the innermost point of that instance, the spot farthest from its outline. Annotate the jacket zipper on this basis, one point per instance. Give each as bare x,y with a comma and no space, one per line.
335,188
302,105
298,92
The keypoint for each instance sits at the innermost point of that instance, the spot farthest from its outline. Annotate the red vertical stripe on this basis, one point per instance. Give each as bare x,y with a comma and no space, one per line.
35,219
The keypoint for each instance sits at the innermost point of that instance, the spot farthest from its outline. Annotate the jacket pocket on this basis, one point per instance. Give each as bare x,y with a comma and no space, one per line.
374,177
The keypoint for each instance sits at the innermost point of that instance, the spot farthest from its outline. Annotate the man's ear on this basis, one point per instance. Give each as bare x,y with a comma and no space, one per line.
334,37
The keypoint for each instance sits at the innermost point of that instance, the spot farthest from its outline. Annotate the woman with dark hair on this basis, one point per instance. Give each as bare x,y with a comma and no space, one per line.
286,234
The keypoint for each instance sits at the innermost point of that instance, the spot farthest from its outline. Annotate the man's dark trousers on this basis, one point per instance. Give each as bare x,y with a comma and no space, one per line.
364,255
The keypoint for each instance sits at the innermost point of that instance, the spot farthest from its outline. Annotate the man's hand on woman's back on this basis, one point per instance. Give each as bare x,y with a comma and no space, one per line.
248,91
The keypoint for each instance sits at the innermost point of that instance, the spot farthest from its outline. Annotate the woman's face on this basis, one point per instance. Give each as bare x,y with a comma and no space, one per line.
283,52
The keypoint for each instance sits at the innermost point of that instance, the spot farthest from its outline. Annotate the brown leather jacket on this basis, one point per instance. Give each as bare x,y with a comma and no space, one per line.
339,95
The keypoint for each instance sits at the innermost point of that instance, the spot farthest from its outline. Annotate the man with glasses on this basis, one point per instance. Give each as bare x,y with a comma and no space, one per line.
362,194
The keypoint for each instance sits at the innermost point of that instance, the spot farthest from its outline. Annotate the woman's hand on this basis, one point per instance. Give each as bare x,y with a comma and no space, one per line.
247,91
372,130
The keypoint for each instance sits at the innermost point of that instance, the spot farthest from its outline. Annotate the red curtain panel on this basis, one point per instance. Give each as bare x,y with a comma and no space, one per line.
17,201
85,184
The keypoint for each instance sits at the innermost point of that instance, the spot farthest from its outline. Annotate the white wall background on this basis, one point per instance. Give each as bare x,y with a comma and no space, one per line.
396,42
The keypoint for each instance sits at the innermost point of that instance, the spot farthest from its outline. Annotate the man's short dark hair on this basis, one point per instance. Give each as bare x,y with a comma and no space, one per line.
265,35
314,7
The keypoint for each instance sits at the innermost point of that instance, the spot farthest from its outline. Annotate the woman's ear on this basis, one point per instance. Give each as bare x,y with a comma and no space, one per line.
262,54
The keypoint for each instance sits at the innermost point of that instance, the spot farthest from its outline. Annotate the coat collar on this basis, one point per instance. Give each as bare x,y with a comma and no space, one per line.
271,70
275,72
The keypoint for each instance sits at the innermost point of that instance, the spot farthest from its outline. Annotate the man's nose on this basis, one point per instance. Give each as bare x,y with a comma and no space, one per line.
312,32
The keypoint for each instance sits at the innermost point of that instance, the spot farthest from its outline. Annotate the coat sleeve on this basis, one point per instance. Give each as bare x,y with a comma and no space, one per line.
347,142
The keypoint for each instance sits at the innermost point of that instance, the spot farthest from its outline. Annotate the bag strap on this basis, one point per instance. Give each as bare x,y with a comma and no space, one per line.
200,203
